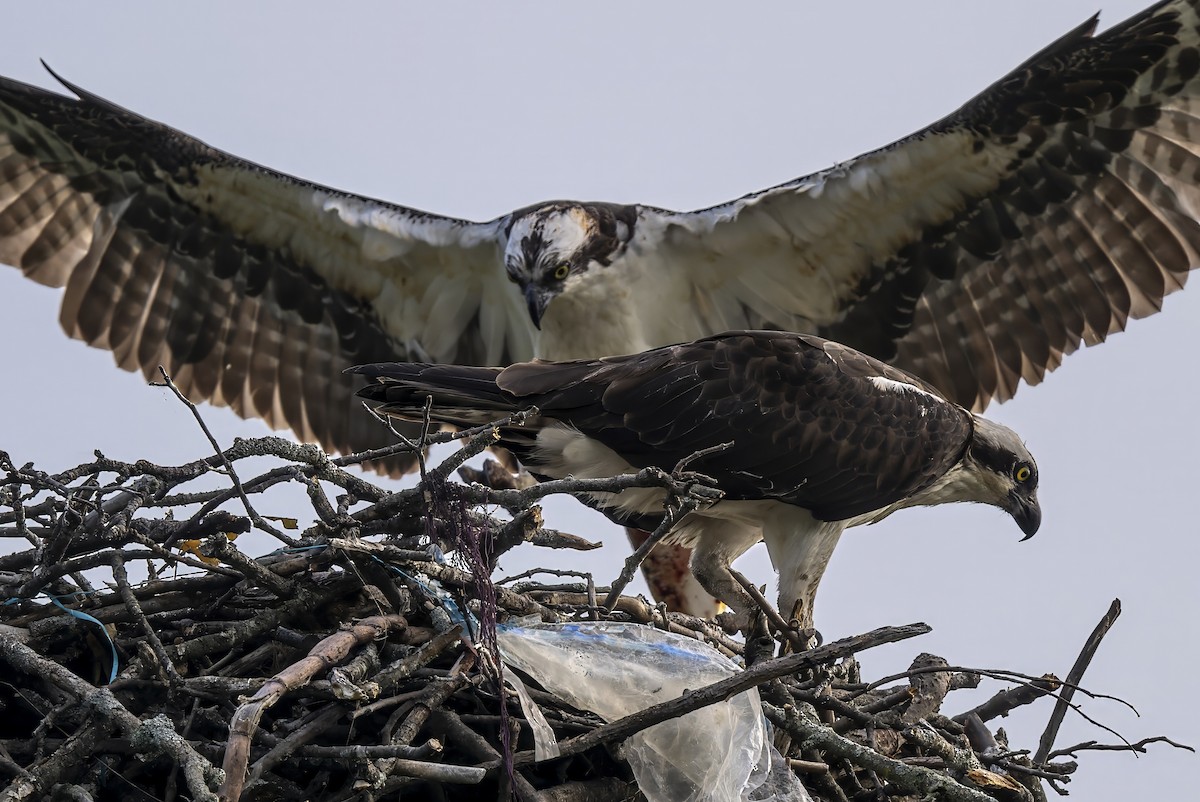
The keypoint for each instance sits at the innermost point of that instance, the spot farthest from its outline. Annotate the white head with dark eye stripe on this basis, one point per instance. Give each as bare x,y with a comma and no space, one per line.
552,247
1001,462
996,469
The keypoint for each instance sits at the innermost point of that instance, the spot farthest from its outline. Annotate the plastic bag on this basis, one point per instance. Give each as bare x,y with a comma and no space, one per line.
718,753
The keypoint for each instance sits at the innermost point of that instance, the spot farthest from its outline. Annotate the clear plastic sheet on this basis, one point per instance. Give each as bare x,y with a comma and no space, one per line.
718,753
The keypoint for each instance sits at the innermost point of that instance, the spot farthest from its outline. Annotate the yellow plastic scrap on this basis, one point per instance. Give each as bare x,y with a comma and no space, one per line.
193,547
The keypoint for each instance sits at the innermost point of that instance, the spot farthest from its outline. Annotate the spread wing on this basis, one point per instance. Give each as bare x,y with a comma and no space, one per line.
1043,214
810,422
253,288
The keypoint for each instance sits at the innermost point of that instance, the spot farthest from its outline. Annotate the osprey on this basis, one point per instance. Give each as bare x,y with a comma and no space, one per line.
821,437
975,253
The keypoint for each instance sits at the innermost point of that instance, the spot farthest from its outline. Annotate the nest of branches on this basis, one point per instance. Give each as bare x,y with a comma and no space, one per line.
147,655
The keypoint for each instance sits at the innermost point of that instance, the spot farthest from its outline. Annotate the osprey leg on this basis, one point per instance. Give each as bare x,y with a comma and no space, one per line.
800,548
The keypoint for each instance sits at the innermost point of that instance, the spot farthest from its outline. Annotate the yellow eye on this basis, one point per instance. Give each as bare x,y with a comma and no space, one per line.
561,271
1021,474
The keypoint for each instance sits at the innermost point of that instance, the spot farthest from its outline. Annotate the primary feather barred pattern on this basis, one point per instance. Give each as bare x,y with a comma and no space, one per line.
1041,216
1125,235
126,215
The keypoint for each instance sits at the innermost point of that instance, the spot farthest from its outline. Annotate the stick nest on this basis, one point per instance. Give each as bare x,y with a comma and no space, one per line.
147,654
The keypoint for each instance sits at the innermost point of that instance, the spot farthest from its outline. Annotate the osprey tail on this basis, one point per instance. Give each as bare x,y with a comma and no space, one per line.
462,396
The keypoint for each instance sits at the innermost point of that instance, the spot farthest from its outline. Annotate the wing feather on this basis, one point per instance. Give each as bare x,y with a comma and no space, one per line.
133,305
235,277
1068,190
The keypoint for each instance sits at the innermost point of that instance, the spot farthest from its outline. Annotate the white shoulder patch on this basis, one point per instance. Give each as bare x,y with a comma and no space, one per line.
893,386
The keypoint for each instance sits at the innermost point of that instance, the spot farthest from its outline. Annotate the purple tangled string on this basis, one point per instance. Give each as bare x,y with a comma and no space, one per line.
474,547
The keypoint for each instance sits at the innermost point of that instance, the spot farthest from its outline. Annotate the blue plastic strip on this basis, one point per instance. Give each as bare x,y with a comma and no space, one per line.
92,619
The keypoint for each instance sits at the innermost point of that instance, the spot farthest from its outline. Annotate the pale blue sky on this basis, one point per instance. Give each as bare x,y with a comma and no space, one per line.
472,110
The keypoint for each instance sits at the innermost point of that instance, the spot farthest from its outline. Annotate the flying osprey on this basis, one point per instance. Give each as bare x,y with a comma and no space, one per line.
975,253
823,437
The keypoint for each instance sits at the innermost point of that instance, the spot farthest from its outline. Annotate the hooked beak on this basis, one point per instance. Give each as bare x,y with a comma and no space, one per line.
537,301
1026,512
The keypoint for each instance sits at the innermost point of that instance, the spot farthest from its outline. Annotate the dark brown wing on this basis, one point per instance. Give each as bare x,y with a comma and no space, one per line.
253,288
1042,215
811,423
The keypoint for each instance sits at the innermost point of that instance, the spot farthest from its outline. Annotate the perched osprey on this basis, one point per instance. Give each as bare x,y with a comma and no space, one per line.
975,253
823,437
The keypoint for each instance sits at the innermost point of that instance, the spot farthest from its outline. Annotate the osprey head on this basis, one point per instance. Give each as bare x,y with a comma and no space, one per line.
552,247
999,470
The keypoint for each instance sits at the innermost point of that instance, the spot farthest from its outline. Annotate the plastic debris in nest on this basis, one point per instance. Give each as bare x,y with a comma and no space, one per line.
720,752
